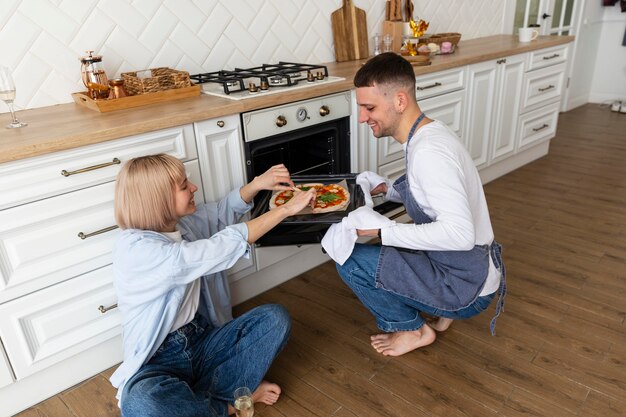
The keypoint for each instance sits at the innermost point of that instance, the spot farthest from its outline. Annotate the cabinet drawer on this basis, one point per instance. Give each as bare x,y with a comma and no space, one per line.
389,150
54,324
542,87
393,170
547,57
538,125
447,108
439,83
40,243
40,177
6,376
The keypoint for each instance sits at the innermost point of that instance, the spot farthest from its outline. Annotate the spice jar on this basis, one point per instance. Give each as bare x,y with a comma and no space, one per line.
117,88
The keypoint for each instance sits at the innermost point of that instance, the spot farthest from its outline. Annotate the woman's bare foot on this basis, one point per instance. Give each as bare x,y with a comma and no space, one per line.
266,393
399,343
441,324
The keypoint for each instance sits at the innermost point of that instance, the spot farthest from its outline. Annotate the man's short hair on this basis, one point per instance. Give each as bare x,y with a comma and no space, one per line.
144,192
389,69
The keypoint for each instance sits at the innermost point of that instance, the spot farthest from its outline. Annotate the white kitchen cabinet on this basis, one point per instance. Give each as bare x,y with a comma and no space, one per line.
537,126
221,160
6,376
493,94
35,178
57,302
543,86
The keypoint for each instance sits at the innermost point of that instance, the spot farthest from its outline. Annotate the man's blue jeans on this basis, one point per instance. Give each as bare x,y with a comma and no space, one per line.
393,312
197,368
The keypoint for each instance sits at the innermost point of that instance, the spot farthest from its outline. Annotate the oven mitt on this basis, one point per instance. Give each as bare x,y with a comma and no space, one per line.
340,238
368,180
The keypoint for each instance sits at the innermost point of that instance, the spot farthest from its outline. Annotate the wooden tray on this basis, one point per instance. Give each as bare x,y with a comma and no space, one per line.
104,106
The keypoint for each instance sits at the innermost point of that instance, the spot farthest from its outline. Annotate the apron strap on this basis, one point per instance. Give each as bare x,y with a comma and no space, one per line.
496,256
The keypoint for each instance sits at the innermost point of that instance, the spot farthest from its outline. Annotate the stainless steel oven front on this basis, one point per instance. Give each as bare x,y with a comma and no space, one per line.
311,137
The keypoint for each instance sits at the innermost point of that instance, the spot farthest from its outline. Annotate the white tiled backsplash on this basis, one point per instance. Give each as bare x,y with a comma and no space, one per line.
42,40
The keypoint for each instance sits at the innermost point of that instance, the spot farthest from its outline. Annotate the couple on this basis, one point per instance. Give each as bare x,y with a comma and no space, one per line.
184,354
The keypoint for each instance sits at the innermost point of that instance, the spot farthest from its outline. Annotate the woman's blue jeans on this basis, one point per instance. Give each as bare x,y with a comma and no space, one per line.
393,312
197,368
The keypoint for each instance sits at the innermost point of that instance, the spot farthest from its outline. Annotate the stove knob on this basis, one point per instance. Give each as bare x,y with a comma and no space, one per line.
324,111
281,121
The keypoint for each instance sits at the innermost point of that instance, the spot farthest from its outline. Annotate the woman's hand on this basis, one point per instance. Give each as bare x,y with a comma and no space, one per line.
300,200
275,178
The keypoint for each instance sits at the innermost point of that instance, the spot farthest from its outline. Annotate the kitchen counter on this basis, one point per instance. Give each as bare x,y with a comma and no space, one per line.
67,126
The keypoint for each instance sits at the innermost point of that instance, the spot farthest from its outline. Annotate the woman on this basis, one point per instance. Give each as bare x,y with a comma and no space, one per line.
184,354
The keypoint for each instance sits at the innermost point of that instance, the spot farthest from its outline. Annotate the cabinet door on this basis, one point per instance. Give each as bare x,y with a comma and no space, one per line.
220,153
389,149
61,172
508,92
447,108
480,108
58,322
54,239
393,170
6,377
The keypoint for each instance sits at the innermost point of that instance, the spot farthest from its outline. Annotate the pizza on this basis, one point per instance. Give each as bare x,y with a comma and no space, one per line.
329,197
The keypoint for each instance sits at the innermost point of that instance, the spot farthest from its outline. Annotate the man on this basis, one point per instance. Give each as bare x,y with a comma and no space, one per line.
447,263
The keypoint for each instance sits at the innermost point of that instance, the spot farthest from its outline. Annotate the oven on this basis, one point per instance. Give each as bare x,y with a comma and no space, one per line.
312,139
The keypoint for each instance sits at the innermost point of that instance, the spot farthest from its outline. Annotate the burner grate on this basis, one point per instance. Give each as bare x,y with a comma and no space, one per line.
282,74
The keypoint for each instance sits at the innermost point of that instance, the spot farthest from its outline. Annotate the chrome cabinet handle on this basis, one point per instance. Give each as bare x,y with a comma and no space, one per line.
546,88
537,129
91,168
97,232
104,309
220,123
437,84
551,56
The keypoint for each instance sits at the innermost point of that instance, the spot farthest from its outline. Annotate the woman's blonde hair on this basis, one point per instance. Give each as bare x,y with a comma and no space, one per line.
144,192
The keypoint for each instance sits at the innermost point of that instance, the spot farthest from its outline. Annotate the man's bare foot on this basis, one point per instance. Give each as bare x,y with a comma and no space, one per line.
266,393
399,343
440,324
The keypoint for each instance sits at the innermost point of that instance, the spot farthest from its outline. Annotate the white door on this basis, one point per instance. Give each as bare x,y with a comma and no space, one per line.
554,17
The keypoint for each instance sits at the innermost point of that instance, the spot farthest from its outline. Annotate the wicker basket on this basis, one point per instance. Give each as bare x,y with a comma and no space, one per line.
439,38
160,79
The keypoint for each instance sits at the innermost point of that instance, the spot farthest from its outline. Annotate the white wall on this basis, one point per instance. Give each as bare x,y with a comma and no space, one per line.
42,40
609,73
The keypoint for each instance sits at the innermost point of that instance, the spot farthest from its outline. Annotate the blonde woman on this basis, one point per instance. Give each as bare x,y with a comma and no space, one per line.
184,354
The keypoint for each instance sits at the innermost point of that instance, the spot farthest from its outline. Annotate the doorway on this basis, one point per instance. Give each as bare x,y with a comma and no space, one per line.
554,17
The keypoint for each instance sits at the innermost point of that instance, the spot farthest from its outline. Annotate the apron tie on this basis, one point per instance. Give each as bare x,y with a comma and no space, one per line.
496,256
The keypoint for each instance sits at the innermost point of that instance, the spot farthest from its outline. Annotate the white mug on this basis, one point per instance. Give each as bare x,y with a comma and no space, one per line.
528,34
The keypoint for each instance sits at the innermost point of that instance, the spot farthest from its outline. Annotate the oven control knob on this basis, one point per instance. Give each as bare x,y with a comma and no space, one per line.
324,111
281,121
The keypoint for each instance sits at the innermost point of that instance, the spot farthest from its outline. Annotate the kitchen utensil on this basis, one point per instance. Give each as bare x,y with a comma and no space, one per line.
7,94
349,32
94,77
396,11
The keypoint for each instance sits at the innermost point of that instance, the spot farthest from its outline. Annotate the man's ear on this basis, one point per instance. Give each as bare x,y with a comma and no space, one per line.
401,101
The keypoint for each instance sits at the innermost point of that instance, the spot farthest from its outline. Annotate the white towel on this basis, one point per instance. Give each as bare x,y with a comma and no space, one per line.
339,240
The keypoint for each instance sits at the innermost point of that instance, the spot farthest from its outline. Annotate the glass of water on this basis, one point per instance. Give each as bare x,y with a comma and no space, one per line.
7,94
244,407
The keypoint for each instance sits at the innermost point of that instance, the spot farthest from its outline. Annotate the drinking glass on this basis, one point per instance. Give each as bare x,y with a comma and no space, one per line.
7,94
244,407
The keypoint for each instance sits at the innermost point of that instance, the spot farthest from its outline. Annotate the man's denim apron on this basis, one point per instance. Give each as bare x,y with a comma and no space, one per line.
446,280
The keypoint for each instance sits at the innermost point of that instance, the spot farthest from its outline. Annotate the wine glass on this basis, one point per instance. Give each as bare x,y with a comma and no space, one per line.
7,94
244,406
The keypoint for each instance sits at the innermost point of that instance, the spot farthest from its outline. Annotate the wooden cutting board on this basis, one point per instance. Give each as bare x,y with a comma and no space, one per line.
349,32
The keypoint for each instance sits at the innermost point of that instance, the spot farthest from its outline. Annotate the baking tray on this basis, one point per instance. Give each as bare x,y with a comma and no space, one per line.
357,199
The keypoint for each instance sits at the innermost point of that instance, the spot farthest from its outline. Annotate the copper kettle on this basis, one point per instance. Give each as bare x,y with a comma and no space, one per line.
94,77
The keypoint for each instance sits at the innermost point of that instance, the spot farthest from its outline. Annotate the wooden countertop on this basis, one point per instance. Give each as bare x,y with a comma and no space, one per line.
67,126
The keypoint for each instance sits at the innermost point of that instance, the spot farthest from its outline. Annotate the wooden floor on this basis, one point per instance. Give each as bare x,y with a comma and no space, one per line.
560,350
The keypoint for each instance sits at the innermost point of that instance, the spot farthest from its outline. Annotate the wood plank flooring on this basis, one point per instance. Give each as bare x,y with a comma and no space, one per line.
560,350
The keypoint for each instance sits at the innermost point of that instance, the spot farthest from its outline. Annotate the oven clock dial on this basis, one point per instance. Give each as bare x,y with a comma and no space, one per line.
302,114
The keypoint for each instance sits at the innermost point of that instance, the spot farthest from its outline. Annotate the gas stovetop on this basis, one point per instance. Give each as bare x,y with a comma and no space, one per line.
242,83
